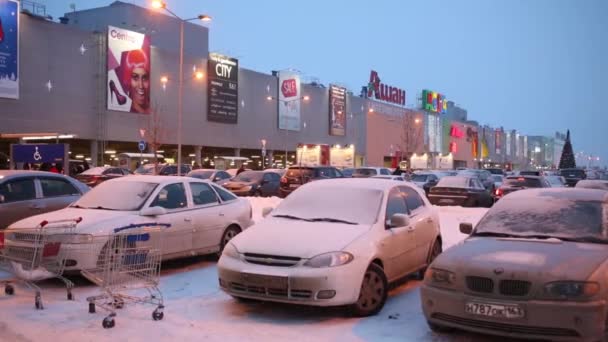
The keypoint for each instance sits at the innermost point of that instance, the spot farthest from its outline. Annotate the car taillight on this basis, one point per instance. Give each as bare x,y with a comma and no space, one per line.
498,192
1,240
283,180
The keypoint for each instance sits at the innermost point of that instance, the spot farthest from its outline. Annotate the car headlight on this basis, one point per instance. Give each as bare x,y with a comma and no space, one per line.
570,290
231,251
439,277
329,259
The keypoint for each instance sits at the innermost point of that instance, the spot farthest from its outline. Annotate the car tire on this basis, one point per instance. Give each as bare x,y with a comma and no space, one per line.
433,254
373,294
439,328
228,235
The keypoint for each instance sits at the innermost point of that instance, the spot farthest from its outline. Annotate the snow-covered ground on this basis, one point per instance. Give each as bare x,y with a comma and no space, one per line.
196,309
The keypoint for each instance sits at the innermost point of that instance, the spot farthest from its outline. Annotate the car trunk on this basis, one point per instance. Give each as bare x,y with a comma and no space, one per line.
295,177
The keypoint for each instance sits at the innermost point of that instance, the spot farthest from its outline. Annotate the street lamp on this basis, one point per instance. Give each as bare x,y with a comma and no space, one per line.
304,98
162,5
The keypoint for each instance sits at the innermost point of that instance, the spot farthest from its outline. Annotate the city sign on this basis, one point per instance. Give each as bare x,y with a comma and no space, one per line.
380,91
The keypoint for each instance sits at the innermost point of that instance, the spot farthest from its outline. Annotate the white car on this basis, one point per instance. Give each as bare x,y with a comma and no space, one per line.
335,242
364,172
202,215
395,178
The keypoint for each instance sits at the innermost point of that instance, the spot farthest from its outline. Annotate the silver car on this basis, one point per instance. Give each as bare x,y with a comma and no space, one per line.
534,267
28,193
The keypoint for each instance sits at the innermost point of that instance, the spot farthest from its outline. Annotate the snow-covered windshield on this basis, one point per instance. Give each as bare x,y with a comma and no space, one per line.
249,176
453,182
547,216
352,205
124,196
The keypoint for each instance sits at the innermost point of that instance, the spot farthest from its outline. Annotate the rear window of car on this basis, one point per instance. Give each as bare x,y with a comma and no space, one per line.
299,172
572,173
524,182
365,172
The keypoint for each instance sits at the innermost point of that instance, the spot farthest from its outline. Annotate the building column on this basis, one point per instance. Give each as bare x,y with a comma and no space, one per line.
237,152
270,156
94,152
197,155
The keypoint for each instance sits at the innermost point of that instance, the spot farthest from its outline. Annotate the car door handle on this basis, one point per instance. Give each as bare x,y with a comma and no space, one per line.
187,219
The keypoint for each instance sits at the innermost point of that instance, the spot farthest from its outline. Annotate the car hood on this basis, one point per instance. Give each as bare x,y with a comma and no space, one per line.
546,260
285,237
93,221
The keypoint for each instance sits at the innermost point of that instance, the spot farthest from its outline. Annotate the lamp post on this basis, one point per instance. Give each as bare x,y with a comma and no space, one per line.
304,98
162,5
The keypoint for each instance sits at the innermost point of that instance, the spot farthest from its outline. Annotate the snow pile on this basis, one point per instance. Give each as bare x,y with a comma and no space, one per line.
31,275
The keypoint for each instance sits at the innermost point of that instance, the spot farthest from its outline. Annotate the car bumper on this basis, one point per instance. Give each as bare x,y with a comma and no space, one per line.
448,200
304,285
555,321
240,192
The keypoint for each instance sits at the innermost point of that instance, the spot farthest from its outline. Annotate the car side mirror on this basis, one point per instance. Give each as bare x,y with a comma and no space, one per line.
153,211
2,199
466,228
399,220
266,211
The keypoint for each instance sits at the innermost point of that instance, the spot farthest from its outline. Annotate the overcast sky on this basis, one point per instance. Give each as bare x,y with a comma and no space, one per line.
536,66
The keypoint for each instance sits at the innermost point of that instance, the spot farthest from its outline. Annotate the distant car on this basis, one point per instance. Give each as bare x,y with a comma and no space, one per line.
572,176
364,172
485,177
593,184
460,191
498,180
255,183
496,171
96,175
297,176
395,178
425,180
233,171
171,170
203,216
219,177
339,242
28,193
556,181
281,172
515,183
534,267
348,172
530,173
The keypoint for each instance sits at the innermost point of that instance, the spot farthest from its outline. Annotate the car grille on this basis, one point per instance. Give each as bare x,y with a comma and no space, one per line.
270,292
506,328
480,284
514,287
271,260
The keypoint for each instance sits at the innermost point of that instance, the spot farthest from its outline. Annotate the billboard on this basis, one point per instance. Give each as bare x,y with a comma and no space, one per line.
434,102
342,157
9,49
289,101
312,155
128,86
223,89
337,110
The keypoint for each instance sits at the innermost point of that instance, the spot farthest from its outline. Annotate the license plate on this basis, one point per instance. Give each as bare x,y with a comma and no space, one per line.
446,200
510,311
293,186
268,281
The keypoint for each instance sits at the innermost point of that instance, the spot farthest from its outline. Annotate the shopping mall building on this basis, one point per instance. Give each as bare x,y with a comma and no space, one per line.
104,79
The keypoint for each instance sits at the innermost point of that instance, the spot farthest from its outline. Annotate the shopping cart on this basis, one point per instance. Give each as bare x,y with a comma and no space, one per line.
128,261
34,254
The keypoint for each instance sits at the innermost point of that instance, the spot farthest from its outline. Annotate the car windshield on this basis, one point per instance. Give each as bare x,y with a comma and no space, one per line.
94,171
523,182
419,178
202,174
365,172
124,196
550,215
453,182
352,205
249,176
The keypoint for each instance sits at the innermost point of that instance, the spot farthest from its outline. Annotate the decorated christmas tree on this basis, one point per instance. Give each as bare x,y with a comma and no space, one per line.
567,160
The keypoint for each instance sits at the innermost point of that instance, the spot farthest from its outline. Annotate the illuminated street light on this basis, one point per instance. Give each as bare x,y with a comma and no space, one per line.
199,75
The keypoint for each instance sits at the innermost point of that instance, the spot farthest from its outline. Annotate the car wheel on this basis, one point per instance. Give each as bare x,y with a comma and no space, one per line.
228,235
373,293
433,254
439,328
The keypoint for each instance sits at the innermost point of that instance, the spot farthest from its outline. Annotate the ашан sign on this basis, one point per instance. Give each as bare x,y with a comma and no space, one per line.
383,92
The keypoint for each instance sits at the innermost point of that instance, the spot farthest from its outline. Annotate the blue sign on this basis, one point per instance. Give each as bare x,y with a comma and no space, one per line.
9,49
142,146
44,153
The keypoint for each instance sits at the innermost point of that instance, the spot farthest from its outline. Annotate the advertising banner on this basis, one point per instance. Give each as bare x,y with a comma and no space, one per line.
9,49
342,157
418,162
289,101
337,110
128,80
223,89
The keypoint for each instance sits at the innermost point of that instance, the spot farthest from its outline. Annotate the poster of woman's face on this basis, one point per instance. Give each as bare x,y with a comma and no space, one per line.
128,84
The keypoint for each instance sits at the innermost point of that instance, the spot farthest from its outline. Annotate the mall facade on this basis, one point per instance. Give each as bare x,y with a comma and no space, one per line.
102,80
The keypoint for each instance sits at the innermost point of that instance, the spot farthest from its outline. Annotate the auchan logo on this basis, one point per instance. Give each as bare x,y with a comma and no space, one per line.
383,92
289,88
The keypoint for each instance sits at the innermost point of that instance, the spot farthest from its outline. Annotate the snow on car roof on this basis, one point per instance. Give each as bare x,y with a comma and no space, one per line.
573,194
156,179
362,183
11,173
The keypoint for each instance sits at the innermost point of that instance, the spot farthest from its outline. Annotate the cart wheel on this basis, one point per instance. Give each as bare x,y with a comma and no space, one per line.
158,315
108,323
118,303
92,308
70,295
38,303
9,290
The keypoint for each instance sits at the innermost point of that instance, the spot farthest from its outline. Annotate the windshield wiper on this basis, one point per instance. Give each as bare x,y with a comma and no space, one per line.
328,219
504,235
101,208
77,206
291,217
